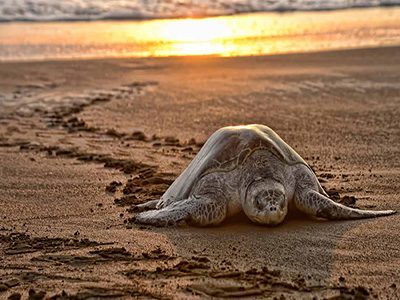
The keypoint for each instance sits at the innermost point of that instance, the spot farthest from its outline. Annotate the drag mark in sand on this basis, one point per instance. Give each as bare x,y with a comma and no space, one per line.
46,262
21,243
203,278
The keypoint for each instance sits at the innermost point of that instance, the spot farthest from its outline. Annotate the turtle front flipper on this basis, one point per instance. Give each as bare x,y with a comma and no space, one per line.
313,203
161,217
152,204
200,211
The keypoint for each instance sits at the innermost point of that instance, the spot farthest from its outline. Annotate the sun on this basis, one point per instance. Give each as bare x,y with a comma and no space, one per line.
195,30
196,36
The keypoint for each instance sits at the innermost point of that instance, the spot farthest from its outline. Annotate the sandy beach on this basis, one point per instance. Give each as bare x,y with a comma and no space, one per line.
83,141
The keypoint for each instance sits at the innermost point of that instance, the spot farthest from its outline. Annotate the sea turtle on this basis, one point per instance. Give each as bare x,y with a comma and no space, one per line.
247,168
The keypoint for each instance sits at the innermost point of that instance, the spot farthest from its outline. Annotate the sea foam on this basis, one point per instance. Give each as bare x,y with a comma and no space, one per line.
81,10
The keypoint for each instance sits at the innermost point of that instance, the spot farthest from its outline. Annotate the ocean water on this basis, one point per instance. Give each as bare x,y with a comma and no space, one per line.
259,33
74,10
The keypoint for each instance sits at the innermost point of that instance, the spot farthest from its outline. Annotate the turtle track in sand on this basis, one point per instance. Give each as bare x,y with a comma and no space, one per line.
63,133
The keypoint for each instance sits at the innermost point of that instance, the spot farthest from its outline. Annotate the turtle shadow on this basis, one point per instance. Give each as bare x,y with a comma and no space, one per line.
300,247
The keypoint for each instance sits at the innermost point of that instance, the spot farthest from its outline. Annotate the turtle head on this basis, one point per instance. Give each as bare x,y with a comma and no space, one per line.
265,202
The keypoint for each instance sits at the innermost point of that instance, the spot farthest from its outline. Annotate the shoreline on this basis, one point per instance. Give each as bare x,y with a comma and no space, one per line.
202,57
86,140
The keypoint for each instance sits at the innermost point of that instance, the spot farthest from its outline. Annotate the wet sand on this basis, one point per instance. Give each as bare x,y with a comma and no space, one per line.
82,142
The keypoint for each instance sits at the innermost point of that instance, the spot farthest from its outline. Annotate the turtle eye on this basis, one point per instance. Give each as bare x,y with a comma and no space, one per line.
259,202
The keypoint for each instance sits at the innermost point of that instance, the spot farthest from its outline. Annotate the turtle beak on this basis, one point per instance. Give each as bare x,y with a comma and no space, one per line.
272,214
